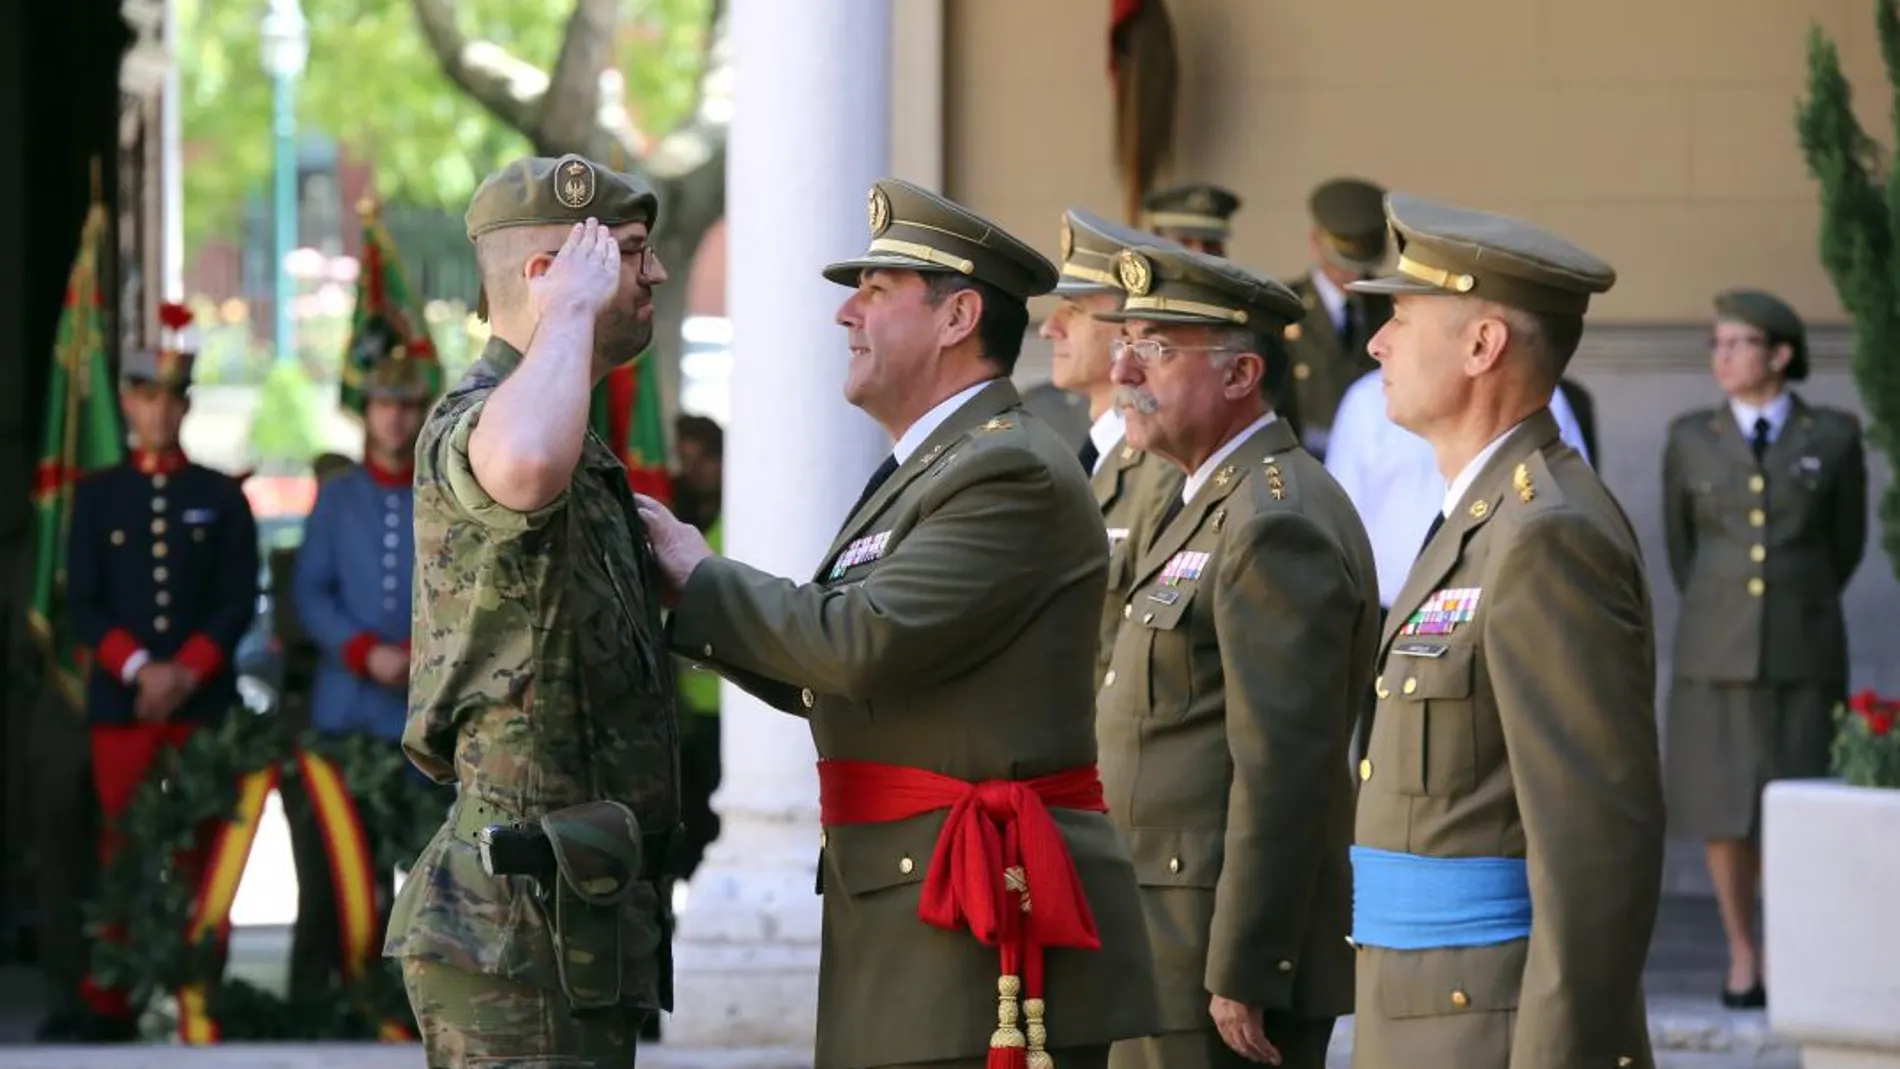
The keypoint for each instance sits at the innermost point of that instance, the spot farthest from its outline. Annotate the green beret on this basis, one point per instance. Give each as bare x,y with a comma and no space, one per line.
1772,316
1456,251
913,229
1350,214
1089,245
1175,285
538,191
1198,210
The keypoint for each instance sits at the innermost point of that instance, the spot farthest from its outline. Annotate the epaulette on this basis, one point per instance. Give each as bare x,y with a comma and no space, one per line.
1275,481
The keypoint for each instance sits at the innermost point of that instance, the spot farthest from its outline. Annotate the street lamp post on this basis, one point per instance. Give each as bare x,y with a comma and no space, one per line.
286,46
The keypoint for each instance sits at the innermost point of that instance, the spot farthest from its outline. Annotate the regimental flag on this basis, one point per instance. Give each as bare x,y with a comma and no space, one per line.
388,322
628,416
82,436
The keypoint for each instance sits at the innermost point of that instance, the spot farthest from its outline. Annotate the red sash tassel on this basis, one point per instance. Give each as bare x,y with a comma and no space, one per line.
999,849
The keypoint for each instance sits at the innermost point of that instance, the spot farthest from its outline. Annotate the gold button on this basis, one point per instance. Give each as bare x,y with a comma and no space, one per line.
197,534
160,574
1365,768
1109,679
159,550
158,526
1302,372
1351,944
118,538
1411,684
1148,618
1174,864
1756,586
806,698
1757,484
162,598
1624,1061
1757,518
1128,610
1286,966
824,839
1378,687
706,651
905,864
161,624
1460,999
158,504
158,481
1758,553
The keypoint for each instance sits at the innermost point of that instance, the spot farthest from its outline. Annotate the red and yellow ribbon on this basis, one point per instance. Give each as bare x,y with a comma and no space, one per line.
224,868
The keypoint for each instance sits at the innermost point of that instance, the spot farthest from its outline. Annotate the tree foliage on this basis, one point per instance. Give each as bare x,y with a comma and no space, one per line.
1860,205
373,82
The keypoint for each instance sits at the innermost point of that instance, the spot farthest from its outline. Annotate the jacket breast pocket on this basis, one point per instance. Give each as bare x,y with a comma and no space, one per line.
604,634
1432,743
867,858
1162,613
1434,983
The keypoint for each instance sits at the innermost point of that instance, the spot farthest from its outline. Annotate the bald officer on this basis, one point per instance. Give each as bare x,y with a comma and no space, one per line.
942,654
1510,826
1128,482
1244,655
1346,243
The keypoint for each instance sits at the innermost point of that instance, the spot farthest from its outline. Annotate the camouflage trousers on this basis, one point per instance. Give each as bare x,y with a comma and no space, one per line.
469,1019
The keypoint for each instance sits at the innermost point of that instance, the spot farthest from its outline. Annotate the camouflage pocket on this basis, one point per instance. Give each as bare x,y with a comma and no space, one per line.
604,633
597,851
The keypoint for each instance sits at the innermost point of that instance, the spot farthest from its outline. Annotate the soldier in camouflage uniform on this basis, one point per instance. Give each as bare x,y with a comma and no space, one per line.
539,681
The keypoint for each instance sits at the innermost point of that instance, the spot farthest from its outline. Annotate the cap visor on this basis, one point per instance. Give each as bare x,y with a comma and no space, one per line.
1347,263
1149,316
1396,285
847,272
1075,287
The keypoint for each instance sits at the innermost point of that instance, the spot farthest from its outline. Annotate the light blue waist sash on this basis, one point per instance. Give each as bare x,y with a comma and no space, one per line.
1409,902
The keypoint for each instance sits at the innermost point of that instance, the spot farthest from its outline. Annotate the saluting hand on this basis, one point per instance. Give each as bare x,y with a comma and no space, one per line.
679,546
584,276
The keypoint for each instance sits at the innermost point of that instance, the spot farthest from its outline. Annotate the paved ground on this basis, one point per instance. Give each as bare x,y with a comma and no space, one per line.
1689,1028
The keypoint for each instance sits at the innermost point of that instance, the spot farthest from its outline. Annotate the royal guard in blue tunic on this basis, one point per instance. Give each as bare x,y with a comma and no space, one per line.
352,595
162,575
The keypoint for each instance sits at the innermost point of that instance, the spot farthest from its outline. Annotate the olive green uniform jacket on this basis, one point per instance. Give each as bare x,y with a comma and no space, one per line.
1322,364
963,647
1527,731
1132,488
1243,661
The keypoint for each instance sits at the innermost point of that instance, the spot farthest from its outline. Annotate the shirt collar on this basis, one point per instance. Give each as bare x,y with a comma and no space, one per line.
1330,295
914,438
394,478
159,461
1206,470
1105,433
1456,491
1776,412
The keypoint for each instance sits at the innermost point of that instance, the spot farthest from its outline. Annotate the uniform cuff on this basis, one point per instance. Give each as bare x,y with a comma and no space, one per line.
356,652
201,657
116,649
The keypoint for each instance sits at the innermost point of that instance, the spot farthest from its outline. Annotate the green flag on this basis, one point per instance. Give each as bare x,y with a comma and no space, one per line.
388,320
627,414
82,436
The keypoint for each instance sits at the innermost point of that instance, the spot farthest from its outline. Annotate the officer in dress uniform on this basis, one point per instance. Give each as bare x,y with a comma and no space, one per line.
1347,243
1198,216
1765,509
1128,483
1510,828
352,592
163,580
1244,654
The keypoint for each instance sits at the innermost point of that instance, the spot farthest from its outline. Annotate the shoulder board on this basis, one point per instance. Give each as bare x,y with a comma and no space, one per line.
1534,486
1274,484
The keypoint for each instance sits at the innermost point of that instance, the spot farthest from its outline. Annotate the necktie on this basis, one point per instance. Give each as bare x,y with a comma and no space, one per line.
1438,520
882,473
1089,456
1348,327
1759,442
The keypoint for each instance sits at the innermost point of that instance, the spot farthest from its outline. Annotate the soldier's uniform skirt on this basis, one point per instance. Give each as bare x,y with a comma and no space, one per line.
1726,741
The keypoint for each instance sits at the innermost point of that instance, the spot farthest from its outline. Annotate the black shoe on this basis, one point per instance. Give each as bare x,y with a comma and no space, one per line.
1755,998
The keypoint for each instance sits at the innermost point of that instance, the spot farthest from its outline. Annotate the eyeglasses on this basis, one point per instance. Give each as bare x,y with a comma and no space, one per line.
1147,352
648,257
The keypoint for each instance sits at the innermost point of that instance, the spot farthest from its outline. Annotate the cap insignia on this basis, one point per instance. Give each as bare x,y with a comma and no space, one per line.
1132,269
574,182
879,211
1200,201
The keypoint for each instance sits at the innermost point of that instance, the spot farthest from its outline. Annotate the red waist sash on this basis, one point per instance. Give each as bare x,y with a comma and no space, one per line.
998,843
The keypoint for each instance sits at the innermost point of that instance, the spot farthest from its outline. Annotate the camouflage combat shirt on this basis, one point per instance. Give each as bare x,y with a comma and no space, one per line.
538,680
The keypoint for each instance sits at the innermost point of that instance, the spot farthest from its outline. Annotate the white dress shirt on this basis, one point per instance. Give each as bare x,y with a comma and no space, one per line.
1392,475
1206,470
1776,412
1107,432
913,438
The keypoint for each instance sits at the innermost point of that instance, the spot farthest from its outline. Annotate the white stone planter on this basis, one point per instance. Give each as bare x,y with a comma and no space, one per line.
1831,895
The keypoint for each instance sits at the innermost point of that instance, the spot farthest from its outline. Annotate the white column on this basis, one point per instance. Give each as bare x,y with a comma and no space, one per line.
809,136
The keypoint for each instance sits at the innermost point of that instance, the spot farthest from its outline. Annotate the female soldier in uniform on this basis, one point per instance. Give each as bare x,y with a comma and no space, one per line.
1765,509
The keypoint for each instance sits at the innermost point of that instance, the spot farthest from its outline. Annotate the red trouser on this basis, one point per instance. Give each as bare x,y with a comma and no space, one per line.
121,756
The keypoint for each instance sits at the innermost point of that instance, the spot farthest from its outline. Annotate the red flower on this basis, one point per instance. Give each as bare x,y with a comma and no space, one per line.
1879,724
174,316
